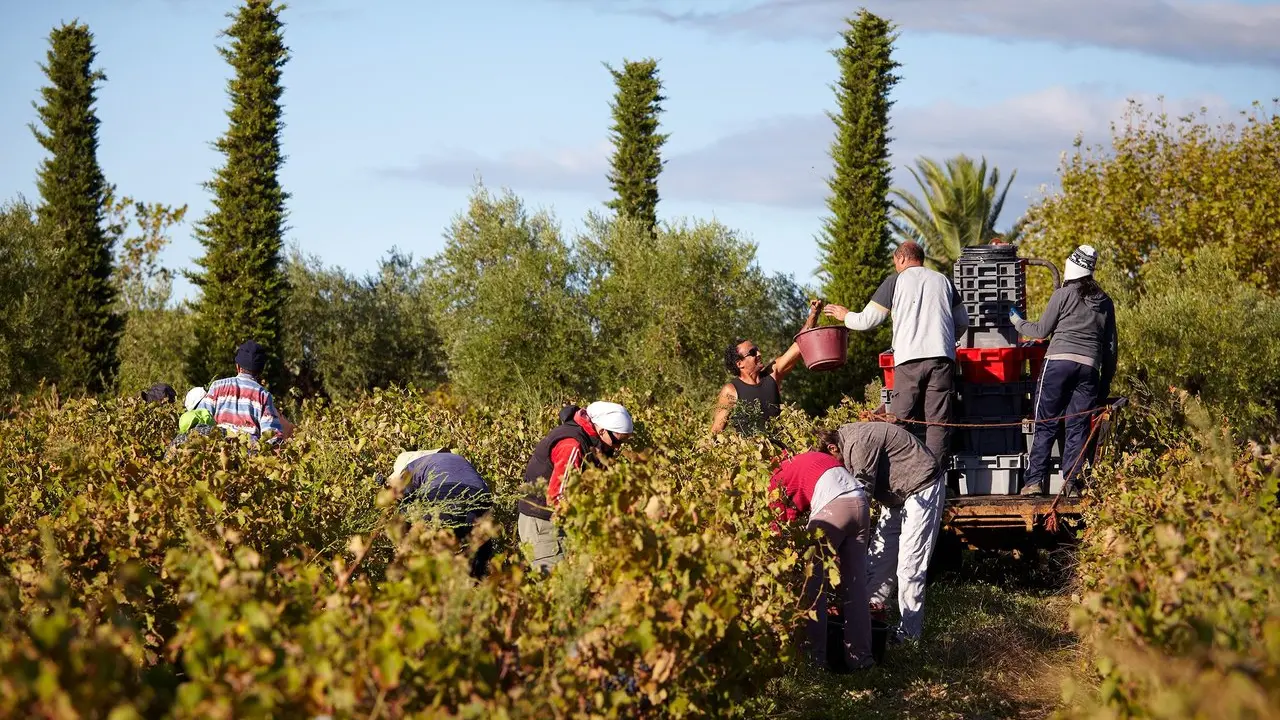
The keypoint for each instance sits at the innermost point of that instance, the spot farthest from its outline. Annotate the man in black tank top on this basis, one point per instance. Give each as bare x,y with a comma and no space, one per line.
753,396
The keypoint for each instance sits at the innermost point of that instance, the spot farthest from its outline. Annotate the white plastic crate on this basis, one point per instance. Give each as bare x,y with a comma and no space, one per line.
989,474
1055,458
1055,477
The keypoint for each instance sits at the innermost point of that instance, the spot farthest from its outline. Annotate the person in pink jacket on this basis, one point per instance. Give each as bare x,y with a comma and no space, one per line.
815,488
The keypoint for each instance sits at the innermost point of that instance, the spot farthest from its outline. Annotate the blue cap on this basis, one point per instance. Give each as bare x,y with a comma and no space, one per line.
252,357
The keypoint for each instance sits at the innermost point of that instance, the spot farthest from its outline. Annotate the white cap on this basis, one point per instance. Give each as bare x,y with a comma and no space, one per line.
194,396
1081,263
610,416
404,458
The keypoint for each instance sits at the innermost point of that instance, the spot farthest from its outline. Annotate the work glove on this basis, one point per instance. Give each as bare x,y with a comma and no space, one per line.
1015,315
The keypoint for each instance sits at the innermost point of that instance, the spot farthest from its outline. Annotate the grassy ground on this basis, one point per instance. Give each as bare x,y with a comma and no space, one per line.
996,645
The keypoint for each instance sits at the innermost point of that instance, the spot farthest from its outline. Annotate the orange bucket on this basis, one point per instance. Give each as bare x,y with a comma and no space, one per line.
824,348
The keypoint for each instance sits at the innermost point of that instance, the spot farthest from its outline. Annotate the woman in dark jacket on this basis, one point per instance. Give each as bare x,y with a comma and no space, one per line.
1078,366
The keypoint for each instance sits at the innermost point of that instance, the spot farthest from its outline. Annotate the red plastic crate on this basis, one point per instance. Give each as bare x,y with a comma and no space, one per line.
986,365
886,364
1034,354
990,365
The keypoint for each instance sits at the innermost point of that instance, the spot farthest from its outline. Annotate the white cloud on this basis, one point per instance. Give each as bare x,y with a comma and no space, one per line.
564,169
1028,133
785,162
1218,31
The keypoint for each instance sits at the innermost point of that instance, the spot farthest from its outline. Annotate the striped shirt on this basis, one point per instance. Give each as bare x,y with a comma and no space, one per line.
240,404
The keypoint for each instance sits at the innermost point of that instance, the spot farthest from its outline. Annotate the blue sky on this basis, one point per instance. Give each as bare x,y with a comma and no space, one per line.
393,107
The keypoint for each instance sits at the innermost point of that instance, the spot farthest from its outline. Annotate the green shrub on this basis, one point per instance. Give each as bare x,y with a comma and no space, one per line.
1180,573
152,349
345,335
1167,184
1196,327
220,580
158,333
504,292
665,303
28,314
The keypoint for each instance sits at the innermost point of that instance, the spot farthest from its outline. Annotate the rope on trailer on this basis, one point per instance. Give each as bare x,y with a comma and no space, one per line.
894,418
1051,517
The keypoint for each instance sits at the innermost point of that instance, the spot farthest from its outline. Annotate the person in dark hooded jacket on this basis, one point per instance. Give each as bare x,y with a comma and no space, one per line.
159,393
1078,367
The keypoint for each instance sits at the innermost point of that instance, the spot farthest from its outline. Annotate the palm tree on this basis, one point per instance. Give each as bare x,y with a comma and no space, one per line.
958,208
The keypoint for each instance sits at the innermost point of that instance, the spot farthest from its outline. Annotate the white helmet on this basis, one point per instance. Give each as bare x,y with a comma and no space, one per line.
404,458
610,416
194,396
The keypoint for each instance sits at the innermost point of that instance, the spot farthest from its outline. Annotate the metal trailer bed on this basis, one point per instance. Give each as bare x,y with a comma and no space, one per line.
1018,522
1000,522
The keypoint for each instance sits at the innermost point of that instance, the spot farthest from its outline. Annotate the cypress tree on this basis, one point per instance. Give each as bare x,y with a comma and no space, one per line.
243,285
73,193
636,161
855,239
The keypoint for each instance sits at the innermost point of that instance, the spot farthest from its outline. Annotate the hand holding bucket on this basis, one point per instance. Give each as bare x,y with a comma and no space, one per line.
825,347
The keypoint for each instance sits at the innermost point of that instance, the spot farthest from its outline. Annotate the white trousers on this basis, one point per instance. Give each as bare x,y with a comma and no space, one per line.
900,551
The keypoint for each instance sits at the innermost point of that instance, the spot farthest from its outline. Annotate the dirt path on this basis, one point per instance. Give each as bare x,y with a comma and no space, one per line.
988,652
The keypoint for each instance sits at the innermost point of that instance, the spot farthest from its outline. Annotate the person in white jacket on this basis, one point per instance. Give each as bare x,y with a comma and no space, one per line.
928,313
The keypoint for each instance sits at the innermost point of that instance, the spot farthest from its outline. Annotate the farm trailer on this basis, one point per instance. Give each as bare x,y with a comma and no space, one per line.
992,438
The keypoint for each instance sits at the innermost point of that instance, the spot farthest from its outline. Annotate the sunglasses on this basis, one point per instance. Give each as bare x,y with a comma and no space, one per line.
614,438
753,352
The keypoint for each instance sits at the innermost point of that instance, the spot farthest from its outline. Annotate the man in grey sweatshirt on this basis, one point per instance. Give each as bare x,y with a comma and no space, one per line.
907,481
1079,365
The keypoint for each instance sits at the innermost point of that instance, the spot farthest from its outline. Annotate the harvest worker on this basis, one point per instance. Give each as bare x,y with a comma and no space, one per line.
240,404
928,313
159,393
451,483
755,390
195,416
815,486
583,434
195,420
907,481
1078,365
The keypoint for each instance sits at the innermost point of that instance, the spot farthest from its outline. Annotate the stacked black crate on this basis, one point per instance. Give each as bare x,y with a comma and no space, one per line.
992,280
993,390
1000,407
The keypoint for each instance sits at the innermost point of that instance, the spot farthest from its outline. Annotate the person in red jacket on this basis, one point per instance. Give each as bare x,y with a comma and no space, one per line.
583,434
815,488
